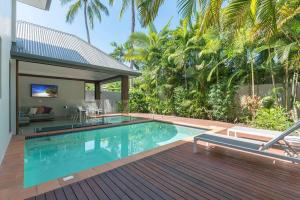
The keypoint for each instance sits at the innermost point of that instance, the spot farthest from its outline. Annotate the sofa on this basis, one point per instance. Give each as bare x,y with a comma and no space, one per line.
37,116
23,119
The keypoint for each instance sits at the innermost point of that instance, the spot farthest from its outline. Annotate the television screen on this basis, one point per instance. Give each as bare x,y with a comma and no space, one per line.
38,90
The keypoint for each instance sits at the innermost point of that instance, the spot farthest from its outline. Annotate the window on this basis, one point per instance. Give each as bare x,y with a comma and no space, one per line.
89,91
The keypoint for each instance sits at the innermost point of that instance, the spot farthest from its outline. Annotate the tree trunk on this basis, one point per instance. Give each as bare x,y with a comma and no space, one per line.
252,79
286,84
272,76
86,23
294,95
132,16
132,24
271,68
185,78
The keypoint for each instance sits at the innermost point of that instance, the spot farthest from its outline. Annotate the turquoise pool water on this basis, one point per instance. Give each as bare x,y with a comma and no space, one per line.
49,158
116,119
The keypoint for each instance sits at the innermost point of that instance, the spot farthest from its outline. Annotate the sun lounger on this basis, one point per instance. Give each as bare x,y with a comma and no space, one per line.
253,146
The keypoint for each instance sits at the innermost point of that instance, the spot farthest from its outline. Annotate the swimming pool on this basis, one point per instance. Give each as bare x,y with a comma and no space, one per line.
52,157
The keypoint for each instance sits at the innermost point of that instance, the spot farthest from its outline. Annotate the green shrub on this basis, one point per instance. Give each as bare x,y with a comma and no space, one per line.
181,101
188,103
221,101
274,119
268,102
137,101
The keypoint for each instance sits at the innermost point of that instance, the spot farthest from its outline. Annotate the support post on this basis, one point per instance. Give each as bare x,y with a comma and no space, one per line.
97,91
17,97
98,94
124,92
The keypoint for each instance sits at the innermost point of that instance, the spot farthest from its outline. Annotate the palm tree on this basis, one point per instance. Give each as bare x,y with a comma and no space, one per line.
133,4
91,9
145,43
185,52
125,5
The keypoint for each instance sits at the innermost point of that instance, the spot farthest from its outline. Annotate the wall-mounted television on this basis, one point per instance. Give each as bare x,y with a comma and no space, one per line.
39,90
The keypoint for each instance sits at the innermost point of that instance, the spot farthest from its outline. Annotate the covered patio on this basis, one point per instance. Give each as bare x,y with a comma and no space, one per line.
43,57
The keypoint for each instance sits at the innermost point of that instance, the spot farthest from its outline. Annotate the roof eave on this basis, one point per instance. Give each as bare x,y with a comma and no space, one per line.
70,64
41,4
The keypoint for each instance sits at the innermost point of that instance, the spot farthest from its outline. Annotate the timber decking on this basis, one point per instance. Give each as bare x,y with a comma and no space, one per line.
177,173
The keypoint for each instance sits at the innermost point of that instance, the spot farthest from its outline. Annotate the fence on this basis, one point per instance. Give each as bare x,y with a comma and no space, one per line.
264,90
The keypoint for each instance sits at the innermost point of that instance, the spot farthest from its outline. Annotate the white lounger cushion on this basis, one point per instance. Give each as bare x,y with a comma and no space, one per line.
254,131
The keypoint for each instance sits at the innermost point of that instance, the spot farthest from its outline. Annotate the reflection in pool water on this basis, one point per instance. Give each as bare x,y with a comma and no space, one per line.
49,158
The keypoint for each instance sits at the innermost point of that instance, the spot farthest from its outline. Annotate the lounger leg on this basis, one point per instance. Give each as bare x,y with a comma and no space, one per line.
195,147
207,145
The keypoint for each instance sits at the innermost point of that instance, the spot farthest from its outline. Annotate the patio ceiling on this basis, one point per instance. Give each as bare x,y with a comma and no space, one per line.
37,44
43,70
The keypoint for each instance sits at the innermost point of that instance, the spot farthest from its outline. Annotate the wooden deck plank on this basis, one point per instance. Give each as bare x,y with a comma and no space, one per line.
70,195
122,186
139,191
115,188
204,188
177,173
78,191
143,185
158,187
108,191
185,186
87,190
41,197
209,178
50,196
60,195
97,190
212,177
247,177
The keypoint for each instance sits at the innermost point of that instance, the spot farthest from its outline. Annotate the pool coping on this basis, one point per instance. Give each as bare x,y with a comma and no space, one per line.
15,157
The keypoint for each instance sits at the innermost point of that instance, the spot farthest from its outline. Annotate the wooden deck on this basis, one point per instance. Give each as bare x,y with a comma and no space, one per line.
177,173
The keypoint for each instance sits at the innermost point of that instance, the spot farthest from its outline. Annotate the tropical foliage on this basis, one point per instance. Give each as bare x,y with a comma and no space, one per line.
196,69
91,9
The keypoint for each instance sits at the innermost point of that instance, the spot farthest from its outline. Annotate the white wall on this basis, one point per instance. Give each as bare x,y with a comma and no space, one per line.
110,101
13,96
5,34
70,92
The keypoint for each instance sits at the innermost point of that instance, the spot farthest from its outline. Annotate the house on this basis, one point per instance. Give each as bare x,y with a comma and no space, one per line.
36,55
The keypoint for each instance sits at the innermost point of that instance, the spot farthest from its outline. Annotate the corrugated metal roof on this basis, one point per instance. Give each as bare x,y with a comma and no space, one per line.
42,42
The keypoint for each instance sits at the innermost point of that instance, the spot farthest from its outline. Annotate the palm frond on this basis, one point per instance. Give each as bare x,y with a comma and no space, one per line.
237,12
73,10
90,14
101,7
186,8
139,39
266,17
148,10
96,11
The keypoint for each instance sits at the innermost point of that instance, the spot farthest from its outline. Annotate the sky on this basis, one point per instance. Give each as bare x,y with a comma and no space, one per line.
111,29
